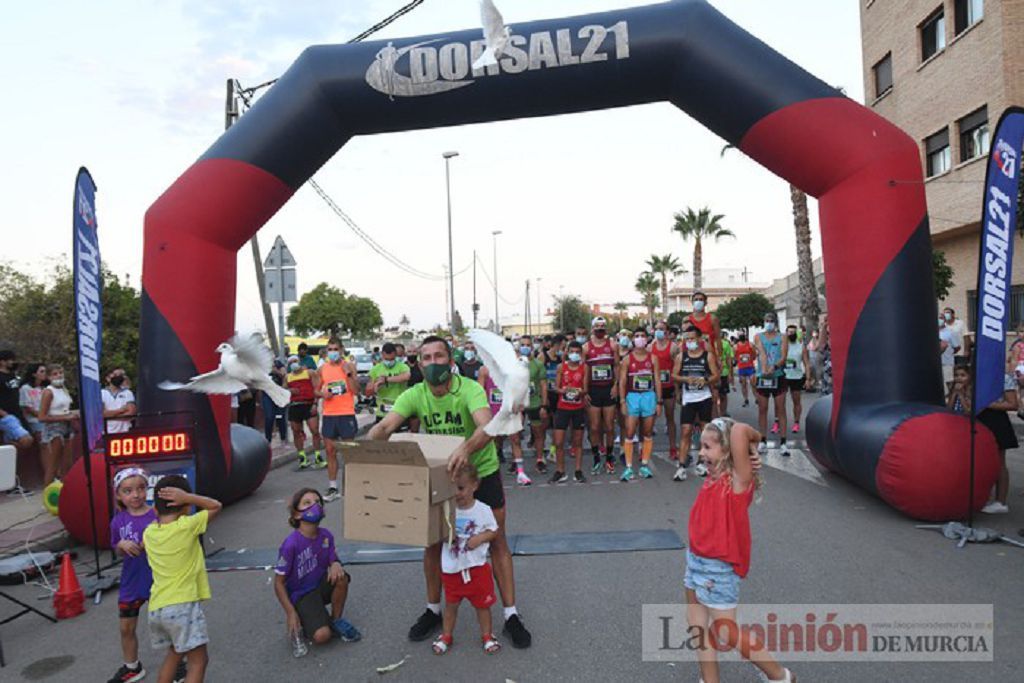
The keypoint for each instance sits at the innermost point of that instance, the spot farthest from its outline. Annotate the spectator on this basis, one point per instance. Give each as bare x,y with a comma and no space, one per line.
118,401
11,428
57,417
271,412
415,371
246,408
30,395
957,329
947,346
307,361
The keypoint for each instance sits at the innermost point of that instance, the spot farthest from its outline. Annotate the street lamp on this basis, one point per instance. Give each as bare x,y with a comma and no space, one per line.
540,313
451,266
497,318
561,309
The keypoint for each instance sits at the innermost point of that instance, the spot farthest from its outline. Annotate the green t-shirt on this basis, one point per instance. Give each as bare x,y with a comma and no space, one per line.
727,356
538,374
451,415
387,394
308,362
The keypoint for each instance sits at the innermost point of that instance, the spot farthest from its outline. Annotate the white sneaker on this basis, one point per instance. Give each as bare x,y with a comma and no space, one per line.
701,469
616,441
995,508
523,480
783,449
762,447
680,474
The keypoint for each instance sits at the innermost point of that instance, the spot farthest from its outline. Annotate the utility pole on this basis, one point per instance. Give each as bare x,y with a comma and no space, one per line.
561,309
497,318
231,115
540,313
451,265
526,304
449,320
476,306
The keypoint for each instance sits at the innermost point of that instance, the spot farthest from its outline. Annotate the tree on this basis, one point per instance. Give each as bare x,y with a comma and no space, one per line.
942,274
676,318
330,311
571,312
805,266
699,226
620,308
744,311
38,322
648,287
664,266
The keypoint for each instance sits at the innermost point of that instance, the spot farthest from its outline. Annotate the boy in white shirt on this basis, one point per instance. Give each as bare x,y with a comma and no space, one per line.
465,572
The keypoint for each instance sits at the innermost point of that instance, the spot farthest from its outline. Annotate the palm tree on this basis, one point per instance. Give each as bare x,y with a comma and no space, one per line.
648,287
699,226
621,308
664,266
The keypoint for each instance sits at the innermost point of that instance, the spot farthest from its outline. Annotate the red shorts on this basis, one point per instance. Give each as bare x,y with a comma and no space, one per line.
479,591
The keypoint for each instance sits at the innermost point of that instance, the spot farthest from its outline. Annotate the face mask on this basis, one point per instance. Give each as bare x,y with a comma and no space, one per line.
469,355
624,342
691,345
947,316
792,337
581,340
117,381
525,350
294,367
600,333
412,359
640,342
57,382
698,305
334,356
313,514
538,347
659,334
437,374
574,357
769,327
390,363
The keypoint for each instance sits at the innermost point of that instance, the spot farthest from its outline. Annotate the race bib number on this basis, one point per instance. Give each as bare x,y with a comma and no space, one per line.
572,395
496,396
665,376
744,358
643,383
338,388
386,407
767,382
601,373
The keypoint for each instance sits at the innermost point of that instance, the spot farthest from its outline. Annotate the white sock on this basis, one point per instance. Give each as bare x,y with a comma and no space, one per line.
332,484
434,607
509,611
132,665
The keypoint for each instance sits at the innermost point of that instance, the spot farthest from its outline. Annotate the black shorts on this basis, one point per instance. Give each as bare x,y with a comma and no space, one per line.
770,392
564,419
601,397
796,384
998,422
723,385
490,491
668,391
339,427
533,415
310,607
552,403
692,413
130,610
299,412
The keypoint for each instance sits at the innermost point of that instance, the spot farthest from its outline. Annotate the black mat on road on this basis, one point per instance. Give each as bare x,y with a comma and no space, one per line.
571,543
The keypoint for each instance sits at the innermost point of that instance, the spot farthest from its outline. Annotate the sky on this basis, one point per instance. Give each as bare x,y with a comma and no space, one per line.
134,90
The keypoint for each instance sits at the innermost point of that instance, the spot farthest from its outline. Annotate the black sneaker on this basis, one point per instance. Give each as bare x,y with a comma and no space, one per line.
180,673
512,469
542,466
516,632
425,626
578,476
128,675
558,478
331,495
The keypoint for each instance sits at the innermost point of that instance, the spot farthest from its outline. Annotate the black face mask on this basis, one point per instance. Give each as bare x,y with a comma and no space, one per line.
600,333
117,380
411,360
792,337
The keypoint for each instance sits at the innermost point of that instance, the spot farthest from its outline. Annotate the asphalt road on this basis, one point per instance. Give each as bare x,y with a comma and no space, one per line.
824,542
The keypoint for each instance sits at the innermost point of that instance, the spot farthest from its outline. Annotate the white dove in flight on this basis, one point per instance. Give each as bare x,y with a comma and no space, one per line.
245,362
496,34
510,374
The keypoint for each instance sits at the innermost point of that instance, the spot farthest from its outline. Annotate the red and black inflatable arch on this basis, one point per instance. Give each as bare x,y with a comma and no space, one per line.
884,428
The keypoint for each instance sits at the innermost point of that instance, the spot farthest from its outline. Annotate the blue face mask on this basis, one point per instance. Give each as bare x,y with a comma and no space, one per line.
581,340
390,363
334,356
525,350
313,514
659,334
574,357
769,327
469,355
624,342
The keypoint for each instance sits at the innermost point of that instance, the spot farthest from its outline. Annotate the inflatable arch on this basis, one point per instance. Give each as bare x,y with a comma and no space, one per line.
884,429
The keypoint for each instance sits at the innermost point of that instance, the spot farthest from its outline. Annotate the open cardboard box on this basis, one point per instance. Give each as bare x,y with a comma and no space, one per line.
395,490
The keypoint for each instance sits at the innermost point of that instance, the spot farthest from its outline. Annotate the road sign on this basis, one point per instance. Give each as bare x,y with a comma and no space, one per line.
273,279
280,256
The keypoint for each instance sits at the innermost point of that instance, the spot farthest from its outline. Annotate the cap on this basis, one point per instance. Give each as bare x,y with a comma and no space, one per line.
599,320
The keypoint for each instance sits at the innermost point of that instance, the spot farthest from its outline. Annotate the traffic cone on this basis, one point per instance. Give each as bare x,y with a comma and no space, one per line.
69,600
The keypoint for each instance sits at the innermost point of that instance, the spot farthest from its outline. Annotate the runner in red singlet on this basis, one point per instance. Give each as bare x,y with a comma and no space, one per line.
666,351
600,356
711,331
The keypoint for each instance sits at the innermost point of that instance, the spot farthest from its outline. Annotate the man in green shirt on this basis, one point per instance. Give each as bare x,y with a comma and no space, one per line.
388,379
453,405
537,408
723,388
307,361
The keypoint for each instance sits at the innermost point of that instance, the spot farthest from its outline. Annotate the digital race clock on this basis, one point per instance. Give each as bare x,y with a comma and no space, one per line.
149,443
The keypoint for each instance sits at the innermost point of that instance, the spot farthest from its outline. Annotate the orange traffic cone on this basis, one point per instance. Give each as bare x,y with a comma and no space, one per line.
69,600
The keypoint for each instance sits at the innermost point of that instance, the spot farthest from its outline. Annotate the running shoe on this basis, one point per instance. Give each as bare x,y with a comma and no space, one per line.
344,629
627,474
645,472
319,462
522,479
579,478
796,427
331,495
558,478
597,468
680,474
673,454
609,465
616,441
552,453
515,630
425,625
775,427
784,449
762,447
701,470
746,403
688,460
995,508
542,466
303,461
127,674
180,673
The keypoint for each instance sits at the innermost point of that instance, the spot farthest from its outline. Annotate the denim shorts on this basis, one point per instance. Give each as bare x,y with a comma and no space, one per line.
643,404
11,429
715,582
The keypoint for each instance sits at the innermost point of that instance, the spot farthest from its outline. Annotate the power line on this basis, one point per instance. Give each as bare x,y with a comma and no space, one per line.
493,286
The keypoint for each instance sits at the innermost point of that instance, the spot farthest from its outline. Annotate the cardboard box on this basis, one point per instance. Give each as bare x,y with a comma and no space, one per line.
395,490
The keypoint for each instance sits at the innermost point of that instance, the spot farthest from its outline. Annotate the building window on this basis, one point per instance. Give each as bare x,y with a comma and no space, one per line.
933,35
967,13
974,135
1016,308
883,75
936,151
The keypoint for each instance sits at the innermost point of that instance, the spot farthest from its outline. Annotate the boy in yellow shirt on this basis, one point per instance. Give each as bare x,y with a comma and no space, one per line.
176,619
